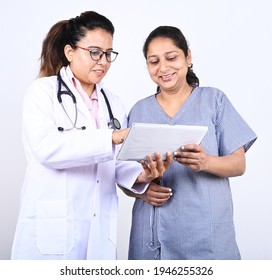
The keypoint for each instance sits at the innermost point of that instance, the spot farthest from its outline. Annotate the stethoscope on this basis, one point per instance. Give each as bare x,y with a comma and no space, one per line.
113,123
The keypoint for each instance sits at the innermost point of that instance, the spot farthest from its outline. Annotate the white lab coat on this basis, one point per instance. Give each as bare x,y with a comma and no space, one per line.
69,200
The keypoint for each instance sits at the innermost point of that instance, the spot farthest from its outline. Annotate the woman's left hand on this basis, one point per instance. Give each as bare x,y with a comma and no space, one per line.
154,168
193,156
156,195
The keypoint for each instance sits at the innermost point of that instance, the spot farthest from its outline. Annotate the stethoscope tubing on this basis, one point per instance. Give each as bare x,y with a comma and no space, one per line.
113,124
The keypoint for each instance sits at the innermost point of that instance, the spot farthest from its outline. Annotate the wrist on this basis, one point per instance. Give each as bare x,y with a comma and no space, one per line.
157,180
141,178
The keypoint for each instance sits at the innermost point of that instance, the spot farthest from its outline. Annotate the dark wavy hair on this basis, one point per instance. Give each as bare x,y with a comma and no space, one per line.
179,41
68,32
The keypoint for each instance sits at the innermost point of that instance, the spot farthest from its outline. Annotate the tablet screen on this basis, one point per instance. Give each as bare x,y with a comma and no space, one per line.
144,139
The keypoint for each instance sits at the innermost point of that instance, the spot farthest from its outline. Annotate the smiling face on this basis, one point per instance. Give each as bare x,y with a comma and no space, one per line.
85,69
167,64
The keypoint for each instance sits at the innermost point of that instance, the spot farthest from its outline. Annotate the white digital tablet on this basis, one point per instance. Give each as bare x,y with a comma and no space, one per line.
145,138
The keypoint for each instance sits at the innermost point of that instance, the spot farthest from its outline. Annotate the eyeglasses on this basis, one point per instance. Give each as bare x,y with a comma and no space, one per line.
97,54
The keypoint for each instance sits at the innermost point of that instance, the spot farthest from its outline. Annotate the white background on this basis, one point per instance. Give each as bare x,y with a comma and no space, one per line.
231,43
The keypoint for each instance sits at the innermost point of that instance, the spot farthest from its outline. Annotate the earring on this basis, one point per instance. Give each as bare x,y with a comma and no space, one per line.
190,65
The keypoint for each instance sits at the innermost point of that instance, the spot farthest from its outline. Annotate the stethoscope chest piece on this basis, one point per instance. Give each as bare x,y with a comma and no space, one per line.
114,124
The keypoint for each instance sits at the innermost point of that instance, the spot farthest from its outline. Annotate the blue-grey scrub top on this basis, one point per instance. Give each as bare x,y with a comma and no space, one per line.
197,221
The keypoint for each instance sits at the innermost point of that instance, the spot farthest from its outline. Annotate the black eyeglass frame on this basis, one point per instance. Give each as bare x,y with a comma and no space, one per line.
106,53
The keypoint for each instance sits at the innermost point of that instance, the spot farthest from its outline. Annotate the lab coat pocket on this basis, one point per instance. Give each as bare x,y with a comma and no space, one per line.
55,227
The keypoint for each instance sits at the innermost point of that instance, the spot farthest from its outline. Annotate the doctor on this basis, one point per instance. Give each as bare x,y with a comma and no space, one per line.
69,200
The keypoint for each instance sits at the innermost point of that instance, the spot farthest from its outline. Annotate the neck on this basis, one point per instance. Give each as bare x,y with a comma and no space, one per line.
175,95
172,101
89,89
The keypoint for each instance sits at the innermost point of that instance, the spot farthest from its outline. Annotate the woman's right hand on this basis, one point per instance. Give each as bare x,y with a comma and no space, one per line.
118,136
156,195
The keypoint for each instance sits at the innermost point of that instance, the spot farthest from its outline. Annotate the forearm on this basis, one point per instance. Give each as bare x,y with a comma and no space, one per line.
226,166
